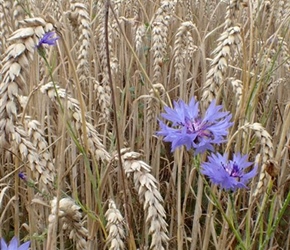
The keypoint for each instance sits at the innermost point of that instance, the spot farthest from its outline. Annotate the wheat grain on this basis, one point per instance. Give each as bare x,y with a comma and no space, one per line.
151,198
279,9
27,151
115,227
16,60
267,149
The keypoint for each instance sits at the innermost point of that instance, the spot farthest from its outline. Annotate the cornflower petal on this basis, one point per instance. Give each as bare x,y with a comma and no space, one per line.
188,128
14,245
48,38
24,246
228,174
3,245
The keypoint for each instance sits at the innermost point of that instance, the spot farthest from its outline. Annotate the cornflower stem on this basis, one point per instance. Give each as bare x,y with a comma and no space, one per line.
228,219
179,154
272,227
259,221
197,210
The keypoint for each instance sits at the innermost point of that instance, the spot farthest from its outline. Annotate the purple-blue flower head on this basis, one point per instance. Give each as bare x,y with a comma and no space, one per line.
14,245
228,174
22,176
188,127
48,38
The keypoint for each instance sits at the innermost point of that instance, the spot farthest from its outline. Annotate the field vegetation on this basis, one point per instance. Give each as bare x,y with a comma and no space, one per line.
89,94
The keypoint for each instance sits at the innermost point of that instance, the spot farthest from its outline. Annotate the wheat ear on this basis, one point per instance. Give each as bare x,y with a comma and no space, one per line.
267,151
16,59
38,140
228,40
151,198
70,219
80,20
94,142
115,227
160,27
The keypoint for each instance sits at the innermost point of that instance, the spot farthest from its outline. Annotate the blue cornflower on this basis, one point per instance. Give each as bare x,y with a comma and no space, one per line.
189,128
14,245
229,174
49,38
22,176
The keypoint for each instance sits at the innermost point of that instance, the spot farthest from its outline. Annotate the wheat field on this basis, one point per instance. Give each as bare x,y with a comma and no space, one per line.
83,86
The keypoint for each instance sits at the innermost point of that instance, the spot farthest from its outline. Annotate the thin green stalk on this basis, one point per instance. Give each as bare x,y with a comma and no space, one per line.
228,220
277,221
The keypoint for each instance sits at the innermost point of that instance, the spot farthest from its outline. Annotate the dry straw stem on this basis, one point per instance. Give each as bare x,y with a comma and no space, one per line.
70,219
229,40
146,185
115,227
95,145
